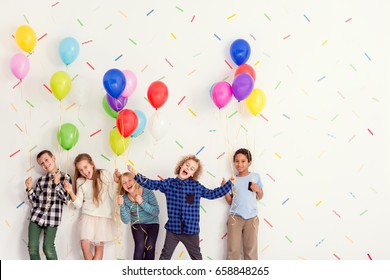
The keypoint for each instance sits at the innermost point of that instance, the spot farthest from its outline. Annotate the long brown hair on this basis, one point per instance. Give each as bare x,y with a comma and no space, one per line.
96,177
183,160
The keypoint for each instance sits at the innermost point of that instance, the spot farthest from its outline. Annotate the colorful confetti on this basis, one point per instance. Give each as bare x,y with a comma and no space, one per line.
14,153
231,67
267,222
180,145
20,204
106,158
43,36
201,149
96,132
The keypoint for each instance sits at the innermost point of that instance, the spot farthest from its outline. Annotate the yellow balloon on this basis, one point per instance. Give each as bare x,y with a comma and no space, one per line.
25,38
118,143
256,101
60,84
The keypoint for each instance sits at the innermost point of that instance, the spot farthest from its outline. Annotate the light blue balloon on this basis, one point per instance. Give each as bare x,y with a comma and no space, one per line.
141,123
69,50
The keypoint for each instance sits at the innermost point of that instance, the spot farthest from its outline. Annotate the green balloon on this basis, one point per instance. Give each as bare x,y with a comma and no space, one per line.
67,136
118,143
60,84
112,113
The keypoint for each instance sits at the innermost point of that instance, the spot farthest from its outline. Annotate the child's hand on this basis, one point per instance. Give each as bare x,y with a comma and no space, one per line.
255,187
120,199
138,199
223,181
28,183
68,187
233,179
132,169
117,175
57,177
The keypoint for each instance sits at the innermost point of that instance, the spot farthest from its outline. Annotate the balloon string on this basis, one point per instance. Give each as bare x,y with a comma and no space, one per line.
67,162
155,140
139,222
28,136
59,138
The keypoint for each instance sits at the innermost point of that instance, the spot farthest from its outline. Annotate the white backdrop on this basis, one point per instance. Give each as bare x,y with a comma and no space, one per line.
320,145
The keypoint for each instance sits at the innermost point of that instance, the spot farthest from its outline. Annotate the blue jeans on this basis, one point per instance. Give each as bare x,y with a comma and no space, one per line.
49,234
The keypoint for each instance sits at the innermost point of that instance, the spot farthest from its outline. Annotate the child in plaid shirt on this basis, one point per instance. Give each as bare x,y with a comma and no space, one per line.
183,195
47,198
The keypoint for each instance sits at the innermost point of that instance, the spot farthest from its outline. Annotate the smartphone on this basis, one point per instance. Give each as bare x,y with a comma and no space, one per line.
249,186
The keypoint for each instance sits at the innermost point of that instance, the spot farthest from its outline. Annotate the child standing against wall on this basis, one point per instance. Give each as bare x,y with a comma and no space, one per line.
183,195
47,198
139,207
243,223
94,193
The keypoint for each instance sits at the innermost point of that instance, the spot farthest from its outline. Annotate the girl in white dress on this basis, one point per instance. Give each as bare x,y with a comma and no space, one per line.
94,193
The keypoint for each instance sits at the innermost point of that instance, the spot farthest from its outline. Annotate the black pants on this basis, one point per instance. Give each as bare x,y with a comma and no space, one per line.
145,236
191,242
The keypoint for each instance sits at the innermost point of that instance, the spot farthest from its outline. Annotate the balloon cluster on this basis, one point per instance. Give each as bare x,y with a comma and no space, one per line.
26,40
119,86
60,82
242,87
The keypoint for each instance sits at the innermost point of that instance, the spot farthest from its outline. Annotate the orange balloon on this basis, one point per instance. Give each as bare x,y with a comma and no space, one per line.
245,68
25,38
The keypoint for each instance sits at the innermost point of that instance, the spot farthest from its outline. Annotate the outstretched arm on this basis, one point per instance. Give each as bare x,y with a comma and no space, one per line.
153,185
218,192
228,196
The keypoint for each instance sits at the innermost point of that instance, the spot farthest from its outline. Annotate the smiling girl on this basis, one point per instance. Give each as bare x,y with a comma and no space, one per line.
94,194
139,207
183,195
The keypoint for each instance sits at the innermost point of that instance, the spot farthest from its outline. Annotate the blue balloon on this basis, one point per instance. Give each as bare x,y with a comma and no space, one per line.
114,81
69,50
240,51
211,91
141,123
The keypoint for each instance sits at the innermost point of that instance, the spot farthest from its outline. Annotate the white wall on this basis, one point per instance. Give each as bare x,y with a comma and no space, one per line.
324,66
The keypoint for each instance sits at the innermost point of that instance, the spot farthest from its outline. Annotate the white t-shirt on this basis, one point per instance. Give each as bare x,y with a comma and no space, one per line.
84,197
244,203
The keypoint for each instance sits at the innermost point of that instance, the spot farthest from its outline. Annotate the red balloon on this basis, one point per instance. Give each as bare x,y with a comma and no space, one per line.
245,68
126,122
157,94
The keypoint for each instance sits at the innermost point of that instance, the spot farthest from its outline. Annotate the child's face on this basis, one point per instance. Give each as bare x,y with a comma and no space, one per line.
128,184
188,169
241,164
85,168
47,163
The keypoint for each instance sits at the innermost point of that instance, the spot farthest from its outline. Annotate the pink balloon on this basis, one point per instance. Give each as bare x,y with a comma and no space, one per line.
131,83
19,66
221,94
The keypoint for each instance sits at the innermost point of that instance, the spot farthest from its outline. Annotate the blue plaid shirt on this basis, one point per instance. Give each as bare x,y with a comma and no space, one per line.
183,201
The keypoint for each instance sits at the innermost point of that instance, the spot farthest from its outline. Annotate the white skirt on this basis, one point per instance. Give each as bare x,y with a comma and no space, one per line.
97,230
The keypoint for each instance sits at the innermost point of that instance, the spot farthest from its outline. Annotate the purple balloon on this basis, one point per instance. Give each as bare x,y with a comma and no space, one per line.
242,86
116,104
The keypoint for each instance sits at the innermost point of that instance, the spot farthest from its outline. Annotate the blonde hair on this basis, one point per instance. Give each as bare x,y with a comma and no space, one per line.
121,190
186,158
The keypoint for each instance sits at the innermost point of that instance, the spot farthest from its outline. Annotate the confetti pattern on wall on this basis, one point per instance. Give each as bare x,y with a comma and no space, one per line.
320,144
